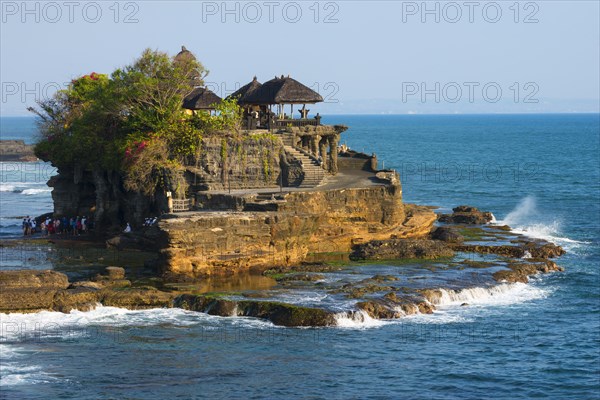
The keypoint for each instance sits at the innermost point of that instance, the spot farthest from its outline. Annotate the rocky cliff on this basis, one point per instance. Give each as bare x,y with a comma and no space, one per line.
221,163
294,226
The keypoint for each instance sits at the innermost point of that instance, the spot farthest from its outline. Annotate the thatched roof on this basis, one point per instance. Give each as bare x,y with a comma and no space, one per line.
184,54
284,90
243,92
201,99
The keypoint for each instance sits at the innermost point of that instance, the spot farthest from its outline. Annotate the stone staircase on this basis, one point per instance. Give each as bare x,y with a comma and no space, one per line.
313,172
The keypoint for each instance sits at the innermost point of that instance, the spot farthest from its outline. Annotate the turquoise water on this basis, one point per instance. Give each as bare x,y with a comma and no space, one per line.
538,173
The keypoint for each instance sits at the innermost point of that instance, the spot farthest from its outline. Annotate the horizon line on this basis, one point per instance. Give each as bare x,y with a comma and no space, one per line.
412,114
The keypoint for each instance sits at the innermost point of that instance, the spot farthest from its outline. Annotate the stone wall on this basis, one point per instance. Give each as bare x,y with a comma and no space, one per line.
236,162
360,161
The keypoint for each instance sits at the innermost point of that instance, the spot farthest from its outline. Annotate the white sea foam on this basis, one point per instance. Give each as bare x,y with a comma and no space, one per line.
449,306
30,192
6,187
357,320
498,295
13,375
15,372
26,188
56,325
524,220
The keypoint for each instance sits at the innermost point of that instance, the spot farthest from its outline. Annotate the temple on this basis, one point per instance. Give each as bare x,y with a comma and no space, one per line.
302,153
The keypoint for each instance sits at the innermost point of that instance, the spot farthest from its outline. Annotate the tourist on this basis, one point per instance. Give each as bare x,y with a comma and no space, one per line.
28,226
84,224
24,226
72,225
78,226
33,226
127,228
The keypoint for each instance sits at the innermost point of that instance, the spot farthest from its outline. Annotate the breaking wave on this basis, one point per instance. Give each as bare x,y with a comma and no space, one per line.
30,192
357,320
523,220
25,188
498,295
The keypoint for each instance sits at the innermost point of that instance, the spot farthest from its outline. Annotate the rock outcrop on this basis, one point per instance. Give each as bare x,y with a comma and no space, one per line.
31,291
531,249
467,215
302,223
279,313
447,234
400,249
521,271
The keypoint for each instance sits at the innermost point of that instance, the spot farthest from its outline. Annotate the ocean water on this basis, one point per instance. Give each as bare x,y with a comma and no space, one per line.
538,173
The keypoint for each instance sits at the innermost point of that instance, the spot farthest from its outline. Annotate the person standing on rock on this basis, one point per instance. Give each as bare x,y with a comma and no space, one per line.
127,228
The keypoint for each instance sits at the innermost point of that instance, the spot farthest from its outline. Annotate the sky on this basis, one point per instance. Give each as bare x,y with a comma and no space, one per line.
364,57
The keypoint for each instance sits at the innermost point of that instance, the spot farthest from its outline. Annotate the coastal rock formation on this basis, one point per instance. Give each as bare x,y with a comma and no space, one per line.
447,234
521,271
78,192
279,313
401,248
223,163
30,290
328,221
16,150
531,249
467,215
392,307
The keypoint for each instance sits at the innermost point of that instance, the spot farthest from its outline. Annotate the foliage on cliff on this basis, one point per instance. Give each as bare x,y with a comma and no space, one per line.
131,121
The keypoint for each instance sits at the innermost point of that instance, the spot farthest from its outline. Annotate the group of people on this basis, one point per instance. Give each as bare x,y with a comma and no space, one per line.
74,226
29,226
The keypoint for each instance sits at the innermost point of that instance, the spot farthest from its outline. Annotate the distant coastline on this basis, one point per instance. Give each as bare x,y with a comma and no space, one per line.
16,150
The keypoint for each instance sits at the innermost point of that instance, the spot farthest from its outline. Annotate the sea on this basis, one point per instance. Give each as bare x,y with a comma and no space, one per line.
540,174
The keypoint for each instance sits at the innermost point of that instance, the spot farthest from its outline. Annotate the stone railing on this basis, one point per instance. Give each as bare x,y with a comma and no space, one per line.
180,205
284,123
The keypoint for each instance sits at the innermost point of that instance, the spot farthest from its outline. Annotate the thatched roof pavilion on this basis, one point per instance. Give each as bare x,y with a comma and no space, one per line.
284,90
201,99
242,93
185,56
